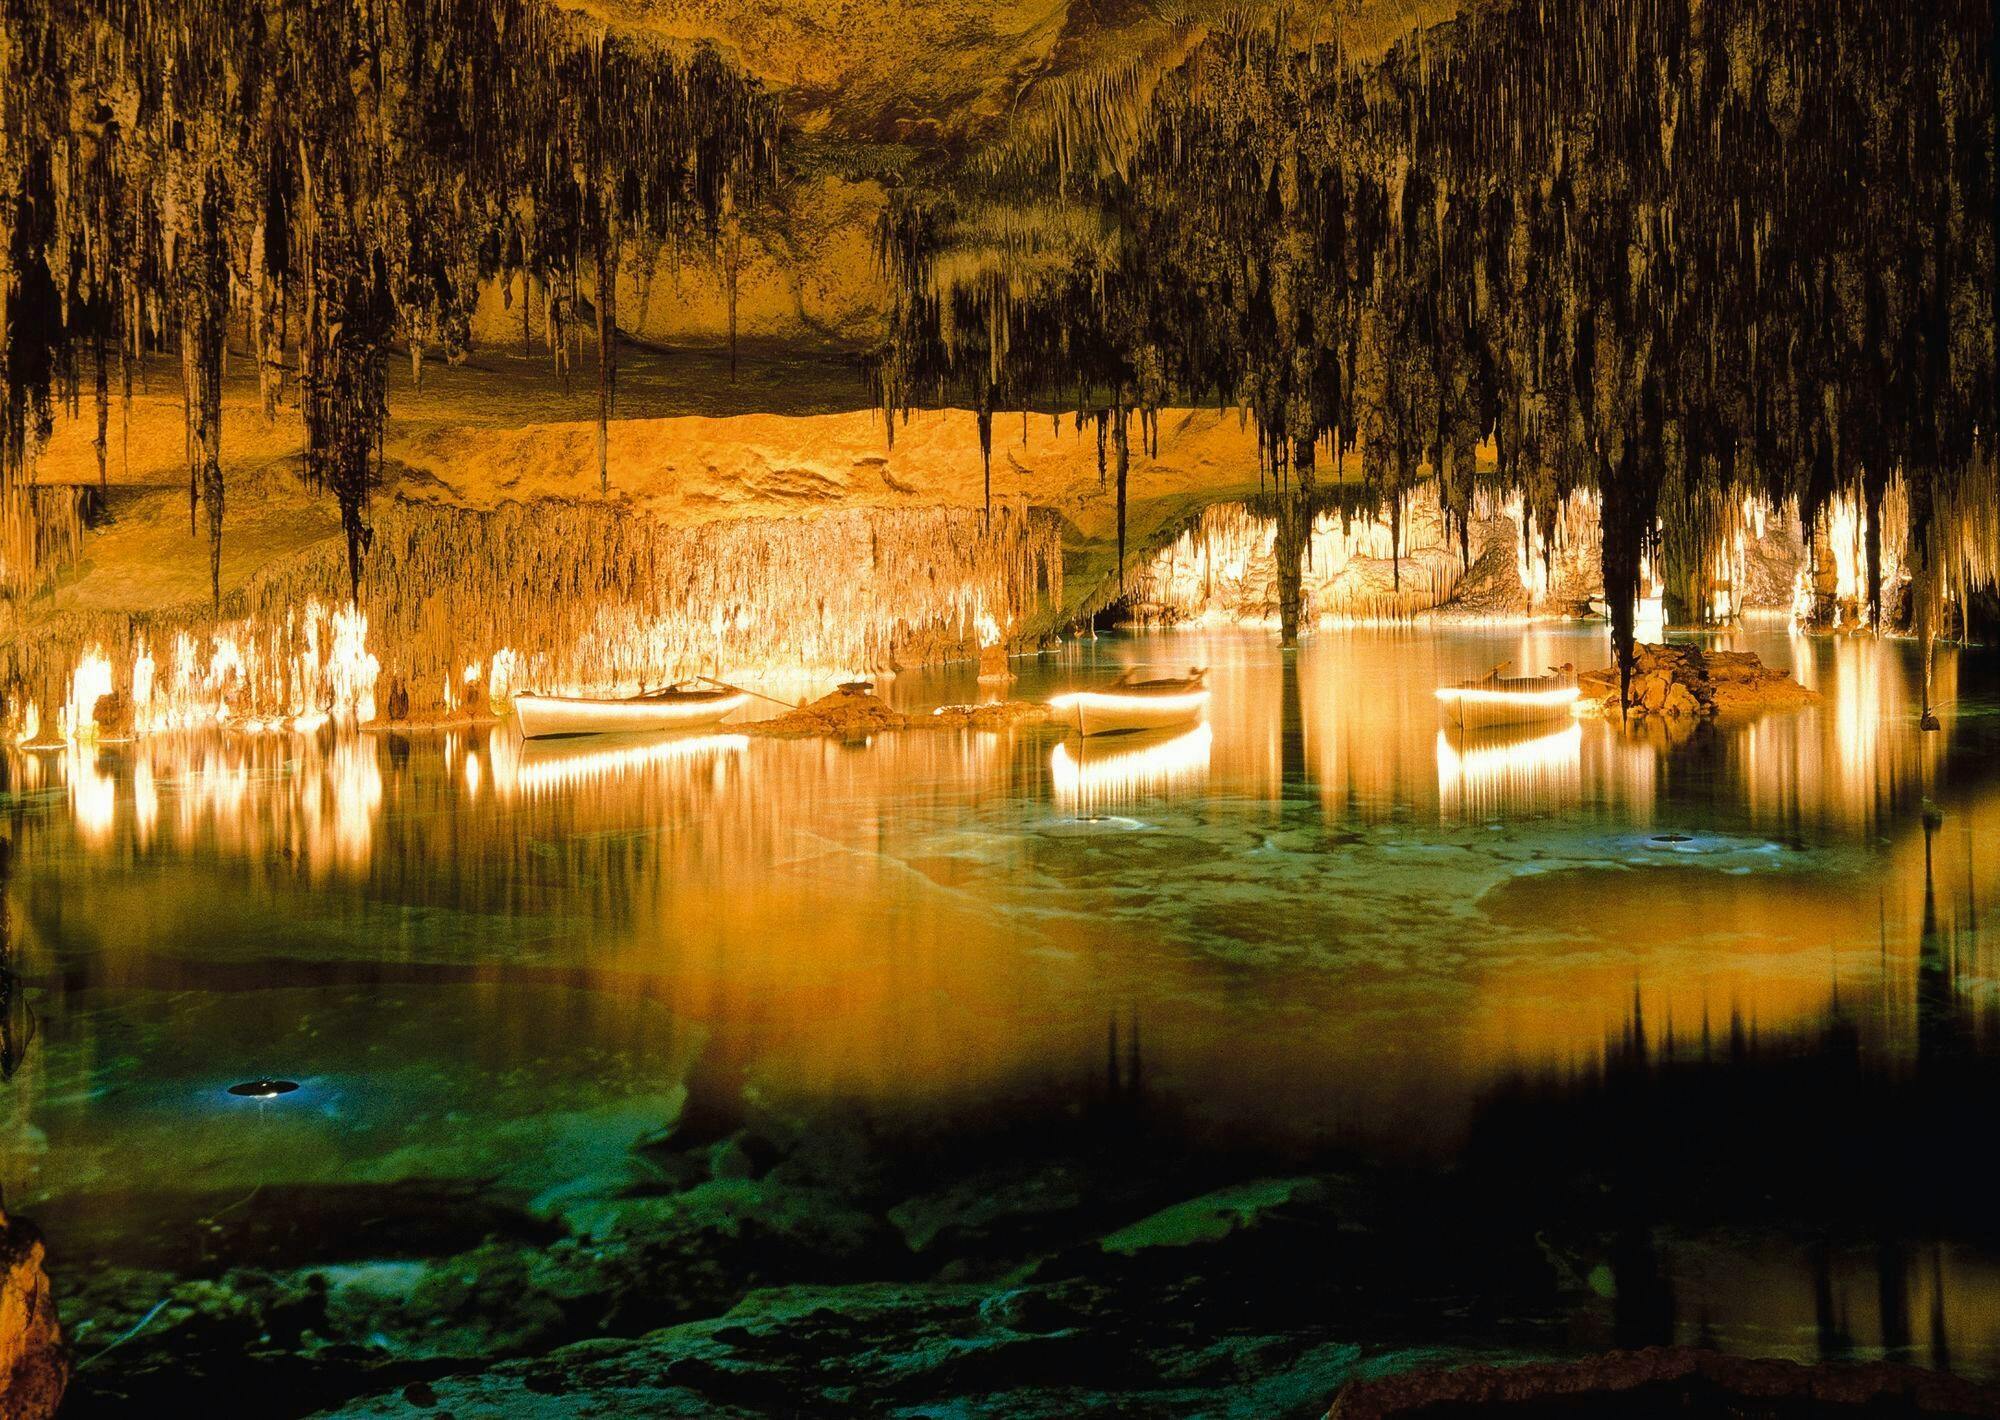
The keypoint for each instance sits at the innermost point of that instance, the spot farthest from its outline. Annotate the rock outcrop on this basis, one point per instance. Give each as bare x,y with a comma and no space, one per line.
851,712
1662,1379
1683,681
34,1368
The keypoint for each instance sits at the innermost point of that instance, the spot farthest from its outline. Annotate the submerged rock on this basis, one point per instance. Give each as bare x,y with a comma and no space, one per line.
1213,1216
34,1368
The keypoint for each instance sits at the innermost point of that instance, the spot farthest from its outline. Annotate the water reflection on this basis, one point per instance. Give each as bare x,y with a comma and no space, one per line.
1092,776
1488,773
528,768
494,966
876,916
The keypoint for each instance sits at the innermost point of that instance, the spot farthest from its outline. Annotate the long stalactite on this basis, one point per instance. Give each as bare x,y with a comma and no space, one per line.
174,171
1674,252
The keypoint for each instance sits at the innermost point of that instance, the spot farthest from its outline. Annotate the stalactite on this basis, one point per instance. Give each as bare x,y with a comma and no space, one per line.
154,168
1124,461
1494,232
607,351
986,445
203,276
836,594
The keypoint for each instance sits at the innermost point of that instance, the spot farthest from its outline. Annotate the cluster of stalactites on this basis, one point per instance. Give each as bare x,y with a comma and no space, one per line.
1673,251
328,178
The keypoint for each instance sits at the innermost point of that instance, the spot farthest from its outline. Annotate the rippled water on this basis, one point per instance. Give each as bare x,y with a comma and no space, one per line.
1317,917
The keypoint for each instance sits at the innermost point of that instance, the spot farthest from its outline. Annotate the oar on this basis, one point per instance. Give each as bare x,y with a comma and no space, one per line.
759,694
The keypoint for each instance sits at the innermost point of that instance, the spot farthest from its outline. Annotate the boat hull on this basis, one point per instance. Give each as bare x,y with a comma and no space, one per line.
548,716
1477,708
1108,712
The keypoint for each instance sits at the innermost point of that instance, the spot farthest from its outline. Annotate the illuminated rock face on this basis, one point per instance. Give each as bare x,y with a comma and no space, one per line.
565,598
33,1368
1365,565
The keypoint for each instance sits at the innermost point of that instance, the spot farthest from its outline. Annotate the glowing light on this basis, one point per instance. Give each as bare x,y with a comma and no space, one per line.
535,768
92,793
351,671
472,775
356,778
31,724
500,675
144,673
1478,776
1090,777
989,629
1104,712
145,800
89,683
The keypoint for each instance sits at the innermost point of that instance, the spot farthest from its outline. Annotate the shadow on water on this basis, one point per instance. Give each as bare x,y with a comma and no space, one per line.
1860,1146
17,1021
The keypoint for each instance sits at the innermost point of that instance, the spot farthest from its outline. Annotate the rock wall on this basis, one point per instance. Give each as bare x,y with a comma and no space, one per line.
1357,566
1223,569
562,596
34,1368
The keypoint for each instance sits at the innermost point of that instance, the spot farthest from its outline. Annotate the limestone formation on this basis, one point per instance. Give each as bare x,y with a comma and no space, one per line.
1687,681
34,1365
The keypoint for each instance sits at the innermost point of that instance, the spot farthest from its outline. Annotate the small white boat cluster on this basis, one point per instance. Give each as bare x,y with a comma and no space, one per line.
1126,706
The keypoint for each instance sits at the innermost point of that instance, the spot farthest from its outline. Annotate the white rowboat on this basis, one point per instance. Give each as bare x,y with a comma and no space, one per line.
543,716
1495,699
1127,705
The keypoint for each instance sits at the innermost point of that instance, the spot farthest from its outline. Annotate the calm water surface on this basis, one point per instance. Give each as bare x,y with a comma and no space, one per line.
1322,917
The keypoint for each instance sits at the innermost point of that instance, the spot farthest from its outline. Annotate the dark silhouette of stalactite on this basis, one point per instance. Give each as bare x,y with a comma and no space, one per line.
102,389
1123,452
203,274
986,445
1711,247
607,348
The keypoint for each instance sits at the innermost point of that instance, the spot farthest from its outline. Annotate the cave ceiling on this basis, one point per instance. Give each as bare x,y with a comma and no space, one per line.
925,87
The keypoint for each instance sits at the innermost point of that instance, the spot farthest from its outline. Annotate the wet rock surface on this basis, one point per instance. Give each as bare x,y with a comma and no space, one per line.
1058,1266
34,1366
856,713
1662,1380
1683,681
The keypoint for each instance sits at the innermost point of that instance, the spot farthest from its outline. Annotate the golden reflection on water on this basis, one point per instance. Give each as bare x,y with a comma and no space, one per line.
1495,773
1093,775
1318,903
